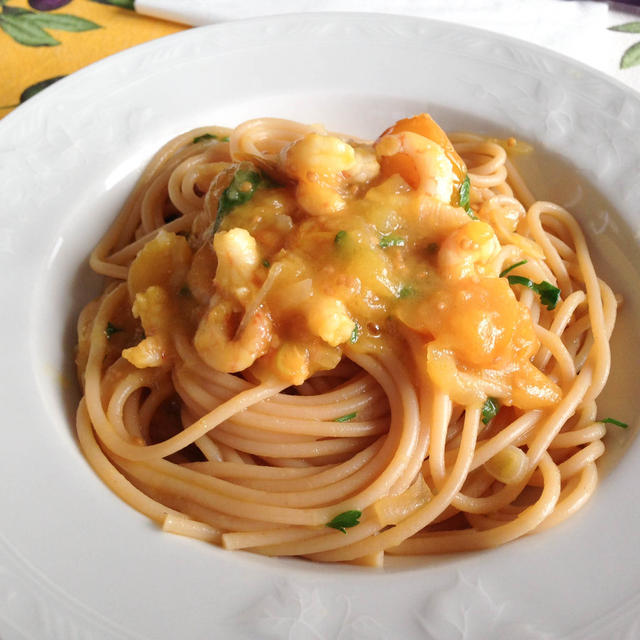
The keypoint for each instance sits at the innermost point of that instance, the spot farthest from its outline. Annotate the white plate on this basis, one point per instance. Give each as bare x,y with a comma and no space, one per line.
75,562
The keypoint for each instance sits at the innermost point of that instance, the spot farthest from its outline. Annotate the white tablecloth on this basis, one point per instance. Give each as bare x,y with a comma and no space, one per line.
577,28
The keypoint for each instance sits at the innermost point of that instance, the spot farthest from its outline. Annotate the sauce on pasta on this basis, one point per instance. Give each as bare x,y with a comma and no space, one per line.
314,345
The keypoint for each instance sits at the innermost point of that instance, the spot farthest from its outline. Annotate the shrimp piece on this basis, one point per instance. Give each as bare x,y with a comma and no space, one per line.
426,126
156,314
421,162
365,167
226,349
163,261
467,250
317,162
328,318
324,154
223,340
237,254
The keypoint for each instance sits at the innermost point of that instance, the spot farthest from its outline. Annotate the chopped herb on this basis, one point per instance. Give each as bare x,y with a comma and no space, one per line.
490,410
464,197
185,291
346,418
266,263
504,272
241,190
346,520
405,292
111,329
203,137
340,236
392,241
623,425
355,334
547,292
465,188
210,136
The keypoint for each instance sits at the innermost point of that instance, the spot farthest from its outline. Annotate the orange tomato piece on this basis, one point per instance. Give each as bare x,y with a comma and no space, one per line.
402,164
426,126
479,319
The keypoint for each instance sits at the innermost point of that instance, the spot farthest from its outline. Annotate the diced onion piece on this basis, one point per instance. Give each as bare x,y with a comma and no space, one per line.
393,509
508,465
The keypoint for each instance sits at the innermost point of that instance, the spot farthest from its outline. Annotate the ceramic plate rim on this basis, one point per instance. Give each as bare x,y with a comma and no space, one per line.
286,597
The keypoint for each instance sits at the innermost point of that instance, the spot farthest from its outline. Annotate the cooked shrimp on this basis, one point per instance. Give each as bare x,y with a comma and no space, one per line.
420,161
154,309
329,319
225,349
237,254
468,250
365,167
317,162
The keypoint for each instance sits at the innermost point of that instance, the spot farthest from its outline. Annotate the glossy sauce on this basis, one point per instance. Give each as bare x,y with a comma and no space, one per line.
360,246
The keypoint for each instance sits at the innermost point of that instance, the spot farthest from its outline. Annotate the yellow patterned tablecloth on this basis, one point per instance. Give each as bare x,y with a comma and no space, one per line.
44,40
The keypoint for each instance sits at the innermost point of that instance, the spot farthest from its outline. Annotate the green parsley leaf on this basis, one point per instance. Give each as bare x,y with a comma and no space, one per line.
203,137
355,334
489,410
392,241
623,425
346,418
340,236
345,520
465,188
111,329
504,272
548,293
210,136
464,197
266,263
406,291
244,184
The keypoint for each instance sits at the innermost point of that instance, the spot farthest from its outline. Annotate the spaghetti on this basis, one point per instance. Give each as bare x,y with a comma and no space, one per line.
319,346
